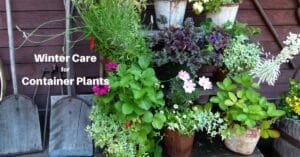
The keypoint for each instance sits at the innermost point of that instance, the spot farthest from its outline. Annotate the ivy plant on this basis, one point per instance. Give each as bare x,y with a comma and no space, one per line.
244,108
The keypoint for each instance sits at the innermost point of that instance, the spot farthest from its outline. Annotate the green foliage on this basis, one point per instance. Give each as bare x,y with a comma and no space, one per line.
188,120
244,107
291,100
106,128
135,96
241,31
177,95
115,24
241,57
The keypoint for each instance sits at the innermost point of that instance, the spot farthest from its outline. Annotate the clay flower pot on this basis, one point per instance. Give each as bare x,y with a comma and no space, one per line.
244,144
177,145
169,13
227,13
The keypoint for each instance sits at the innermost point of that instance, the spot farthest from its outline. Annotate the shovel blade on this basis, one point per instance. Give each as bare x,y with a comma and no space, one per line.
68,135
19,126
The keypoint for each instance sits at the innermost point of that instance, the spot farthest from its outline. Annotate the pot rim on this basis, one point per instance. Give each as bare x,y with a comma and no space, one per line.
231,5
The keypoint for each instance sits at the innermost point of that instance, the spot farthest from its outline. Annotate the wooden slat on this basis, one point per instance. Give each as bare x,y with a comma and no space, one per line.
271,4
29,5
277,17
19,38
274,91
283,31
33,19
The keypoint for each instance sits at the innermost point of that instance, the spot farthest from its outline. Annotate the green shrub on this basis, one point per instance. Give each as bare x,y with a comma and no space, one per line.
241,57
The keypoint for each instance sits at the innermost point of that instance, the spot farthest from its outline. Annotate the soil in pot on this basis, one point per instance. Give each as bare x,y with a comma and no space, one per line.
177,145
243,144
227,13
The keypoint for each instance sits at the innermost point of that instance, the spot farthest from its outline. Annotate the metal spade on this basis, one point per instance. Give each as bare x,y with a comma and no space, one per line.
19,119
70,115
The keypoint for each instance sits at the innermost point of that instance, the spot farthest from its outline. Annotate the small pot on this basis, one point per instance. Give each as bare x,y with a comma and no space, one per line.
244,144
169,13
177,145
227,13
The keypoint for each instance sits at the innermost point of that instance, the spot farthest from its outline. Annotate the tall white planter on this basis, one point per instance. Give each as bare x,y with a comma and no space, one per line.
169,11
227,13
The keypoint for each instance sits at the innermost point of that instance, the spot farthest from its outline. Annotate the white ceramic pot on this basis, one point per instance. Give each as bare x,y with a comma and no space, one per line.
244,144
169,13
227,13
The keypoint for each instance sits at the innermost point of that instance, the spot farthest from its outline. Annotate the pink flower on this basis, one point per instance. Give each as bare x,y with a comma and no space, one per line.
189,86
205,83
100,90
183,75
111,66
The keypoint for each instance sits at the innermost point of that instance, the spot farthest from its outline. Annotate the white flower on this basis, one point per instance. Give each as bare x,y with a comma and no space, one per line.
198,7
162,86
205,1
184,117
183,75
205,83
175,106
189,86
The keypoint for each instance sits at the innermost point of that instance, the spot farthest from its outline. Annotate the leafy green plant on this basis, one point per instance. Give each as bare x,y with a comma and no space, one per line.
244,108
115,27
211,5
135,96
241,57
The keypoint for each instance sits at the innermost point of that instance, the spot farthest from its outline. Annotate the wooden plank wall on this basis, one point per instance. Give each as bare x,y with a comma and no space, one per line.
28,14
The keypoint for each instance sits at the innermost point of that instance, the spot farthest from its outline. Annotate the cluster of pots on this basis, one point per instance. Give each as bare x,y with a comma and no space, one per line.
172,13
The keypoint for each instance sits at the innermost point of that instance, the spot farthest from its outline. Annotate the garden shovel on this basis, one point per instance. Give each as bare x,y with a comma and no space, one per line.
19,120
70,115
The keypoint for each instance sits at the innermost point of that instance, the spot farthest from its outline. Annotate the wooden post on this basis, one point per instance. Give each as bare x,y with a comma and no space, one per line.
298,11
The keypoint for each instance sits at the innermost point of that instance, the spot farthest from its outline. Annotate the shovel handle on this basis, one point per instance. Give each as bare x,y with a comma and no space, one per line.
11,46
3,81
70,73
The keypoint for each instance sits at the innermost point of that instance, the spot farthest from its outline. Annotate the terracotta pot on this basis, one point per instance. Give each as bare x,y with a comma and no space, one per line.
244,144
227,13
169,13
177,145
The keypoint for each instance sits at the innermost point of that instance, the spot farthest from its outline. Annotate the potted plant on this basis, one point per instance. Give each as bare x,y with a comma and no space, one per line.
175,49
220,11
230,41
249,115
241,56
183,118
290,124
169,13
